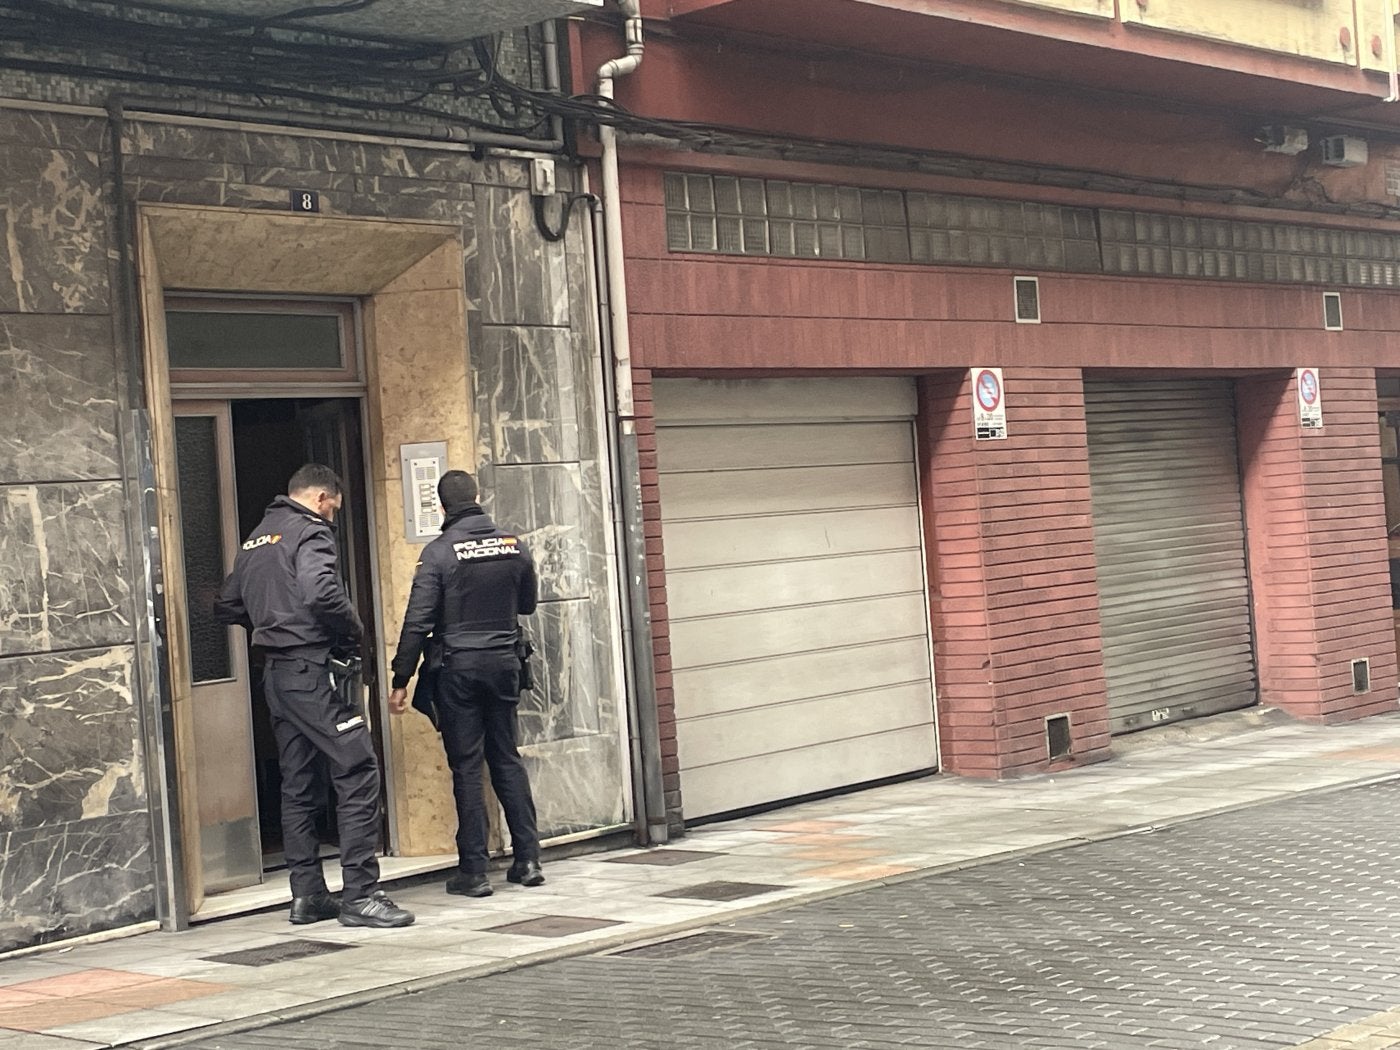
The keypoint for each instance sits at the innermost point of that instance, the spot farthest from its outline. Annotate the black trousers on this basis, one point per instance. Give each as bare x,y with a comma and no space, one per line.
477,697
314,724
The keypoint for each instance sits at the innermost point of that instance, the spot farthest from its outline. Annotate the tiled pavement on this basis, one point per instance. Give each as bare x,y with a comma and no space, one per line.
161,989
1270,928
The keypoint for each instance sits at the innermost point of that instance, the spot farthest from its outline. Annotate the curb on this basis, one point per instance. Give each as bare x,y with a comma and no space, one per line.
606,945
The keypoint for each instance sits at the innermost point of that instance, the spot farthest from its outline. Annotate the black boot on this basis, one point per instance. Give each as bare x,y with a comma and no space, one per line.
314,908
467,884
526,872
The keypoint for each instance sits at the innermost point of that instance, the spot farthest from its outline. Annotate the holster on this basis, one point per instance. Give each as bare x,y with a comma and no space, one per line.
524,649
425,692
342,670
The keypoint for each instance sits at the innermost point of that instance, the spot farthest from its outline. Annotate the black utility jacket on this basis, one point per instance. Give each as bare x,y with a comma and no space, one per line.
285,589
472,583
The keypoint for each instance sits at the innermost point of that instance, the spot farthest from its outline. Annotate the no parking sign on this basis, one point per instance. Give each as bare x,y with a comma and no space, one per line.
988,404
1309,399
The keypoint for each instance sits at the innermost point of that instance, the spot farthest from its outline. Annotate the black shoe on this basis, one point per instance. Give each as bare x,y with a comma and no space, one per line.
376,910
526,872
314,908
465,884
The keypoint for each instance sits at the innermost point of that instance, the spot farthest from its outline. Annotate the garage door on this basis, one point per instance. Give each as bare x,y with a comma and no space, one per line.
795,583
1169,540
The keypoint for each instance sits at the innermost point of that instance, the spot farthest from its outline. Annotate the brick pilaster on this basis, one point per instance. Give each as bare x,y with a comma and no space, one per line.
1319,570
1009,534
649,470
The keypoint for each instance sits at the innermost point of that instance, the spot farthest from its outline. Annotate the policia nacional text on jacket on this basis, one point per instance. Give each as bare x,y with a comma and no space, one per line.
472,584
285,590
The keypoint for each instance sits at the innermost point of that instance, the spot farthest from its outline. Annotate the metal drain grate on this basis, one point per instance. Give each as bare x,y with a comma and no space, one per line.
691,944
282,951
721,891
553,926
664,858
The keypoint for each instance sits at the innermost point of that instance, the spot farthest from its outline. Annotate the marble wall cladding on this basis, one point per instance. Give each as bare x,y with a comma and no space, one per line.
67,879
546,505
527,395
524,278
63,567
59,391
69,740
578,784
568,699
56,232
34,128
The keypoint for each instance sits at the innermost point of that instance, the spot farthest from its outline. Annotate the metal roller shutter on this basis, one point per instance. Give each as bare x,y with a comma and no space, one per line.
1169,541
795,585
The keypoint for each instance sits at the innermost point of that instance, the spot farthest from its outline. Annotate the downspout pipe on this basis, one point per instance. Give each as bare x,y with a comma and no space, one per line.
643,676
612,206
1391,61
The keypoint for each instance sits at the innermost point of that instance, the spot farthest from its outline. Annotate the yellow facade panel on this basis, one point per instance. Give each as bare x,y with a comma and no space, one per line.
1374,19
1325,30
1097,8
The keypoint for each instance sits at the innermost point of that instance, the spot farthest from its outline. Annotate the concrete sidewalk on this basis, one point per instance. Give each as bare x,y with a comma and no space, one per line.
161,989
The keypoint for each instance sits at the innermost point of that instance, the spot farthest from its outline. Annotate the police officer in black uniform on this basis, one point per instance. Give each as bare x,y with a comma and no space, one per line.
472,583
286,591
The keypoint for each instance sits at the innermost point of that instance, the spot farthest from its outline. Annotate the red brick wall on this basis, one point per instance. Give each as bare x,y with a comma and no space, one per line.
1317,545
1009,534
645,421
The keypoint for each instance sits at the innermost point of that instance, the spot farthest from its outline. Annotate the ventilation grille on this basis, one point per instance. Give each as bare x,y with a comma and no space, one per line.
1332,311
1057,737
1361,675
1027,300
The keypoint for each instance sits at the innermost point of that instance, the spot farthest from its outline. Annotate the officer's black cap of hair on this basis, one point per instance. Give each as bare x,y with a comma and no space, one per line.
314,476
456,489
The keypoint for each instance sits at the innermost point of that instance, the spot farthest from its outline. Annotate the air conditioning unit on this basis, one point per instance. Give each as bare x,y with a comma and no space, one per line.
1343,151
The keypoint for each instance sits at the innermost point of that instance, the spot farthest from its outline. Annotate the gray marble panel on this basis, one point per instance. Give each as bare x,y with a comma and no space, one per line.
578,784
54,224
63,578
107,877
59,383
545,505
33,128
69,738
29,864
524,278
526,400
70,879
421,208
566,701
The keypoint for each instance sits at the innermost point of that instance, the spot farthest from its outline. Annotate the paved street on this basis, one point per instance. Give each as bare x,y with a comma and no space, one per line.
1277,926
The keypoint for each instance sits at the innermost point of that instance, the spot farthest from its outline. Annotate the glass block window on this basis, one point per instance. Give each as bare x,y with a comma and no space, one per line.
751,216
1183,246
741,216
975,231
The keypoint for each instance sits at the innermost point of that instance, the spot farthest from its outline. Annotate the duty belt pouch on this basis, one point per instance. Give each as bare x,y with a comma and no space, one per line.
425,692
524,649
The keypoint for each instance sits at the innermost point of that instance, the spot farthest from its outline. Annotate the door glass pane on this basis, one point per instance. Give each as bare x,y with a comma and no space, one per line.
201,517
239,339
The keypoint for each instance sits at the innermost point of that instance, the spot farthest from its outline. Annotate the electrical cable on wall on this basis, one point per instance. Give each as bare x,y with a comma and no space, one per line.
273,60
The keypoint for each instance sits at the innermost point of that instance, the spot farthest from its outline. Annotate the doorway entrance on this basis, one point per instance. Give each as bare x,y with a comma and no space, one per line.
249,384
234,457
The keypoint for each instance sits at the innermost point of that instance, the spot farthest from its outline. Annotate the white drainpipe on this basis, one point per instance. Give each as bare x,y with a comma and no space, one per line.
612,210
